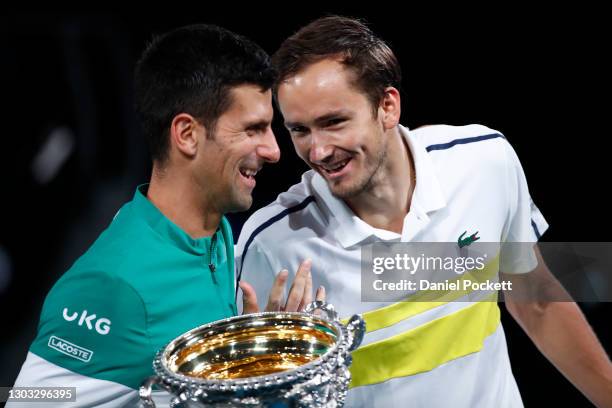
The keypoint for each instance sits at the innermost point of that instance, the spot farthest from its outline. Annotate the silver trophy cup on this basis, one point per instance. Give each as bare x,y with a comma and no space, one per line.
270,359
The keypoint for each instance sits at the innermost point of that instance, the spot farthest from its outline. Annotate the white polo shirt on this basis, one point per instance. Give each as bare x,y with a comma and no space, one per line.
417,354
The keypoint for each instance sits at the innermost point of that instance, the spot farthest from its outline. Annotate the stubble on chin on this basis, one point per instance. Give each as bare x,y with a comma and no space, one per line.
365,183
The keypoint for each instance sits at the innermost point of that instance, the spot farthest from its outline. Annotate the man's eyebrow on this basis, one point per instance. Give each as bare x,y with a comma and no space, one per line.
257,124
321,120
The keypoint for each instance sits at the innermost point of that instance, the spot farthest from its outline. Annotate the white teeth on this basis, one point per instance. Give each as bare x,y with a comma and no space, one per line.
337,166
248,172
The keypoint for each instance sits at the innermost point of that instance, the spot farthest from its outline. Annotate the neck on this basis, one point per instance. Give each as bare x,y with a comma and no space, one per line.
183,203
385,203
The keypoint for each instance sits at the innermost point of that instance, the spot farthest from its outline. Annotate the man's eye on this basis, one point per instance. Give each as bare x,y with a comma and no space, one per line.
298,129
255,130
335,121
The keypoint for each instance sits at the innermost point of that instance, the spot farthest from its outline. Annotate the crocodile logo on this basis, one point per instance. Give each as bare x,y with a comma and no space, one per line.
463,242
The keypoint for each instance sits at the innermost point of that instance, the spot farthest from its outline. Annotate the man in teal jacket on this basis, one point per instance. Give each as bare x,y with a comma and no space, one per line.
165,264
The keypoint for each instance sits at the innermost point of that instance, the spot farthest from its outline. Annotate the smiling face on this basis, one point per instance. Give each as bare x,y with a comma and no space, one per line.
333,128
243,141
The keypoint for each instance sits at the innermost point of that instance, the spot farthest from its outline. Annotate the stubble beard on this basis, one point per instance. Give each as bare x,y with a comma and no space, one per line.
366,182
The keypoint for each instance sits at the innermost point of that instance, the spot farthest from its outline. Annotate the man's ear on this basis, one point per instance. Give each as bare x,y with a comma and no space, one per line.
184,131
390,108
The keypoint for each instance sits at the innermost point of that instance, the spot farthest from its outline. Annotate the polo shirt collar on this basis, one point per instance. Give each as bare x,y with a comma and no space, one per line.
144,208
350,230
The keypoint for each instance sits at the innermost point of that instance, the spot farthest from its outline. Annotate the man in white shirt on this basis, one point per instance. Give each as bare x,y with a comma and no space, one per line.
373,180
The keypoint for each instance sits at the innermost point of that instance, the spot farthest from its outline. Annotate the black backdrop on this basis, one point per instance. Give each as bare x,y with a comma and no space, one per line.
533,78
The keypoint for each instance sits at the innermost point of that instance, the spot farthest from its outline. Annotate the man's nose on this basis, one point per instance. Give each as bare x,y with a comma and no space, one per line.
320,149
268,148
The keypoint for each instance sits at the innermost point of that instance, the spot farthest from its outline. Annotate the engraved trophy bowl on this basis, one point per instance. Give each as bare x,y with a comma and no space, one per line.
269,359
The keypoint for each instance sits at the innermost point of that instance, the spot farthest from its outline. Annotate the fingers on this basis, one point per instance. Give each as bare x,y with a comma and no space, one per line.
307,298
249,298
275,300
296,293
300,293
320,294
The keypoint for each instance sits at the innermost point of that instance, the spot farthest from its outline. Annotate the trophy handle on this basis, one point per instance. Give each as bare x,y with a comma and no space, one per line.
357,329
325,307
146,389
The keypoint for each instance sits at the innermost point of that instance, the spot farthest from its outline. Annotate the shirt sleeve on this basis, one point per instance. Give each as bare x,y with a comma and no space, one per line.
525,223
90,392
94,325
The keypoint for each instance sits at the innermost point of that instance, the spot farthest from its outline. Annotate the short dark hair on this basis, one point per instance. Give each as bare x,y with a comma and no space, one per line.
368,56
192,70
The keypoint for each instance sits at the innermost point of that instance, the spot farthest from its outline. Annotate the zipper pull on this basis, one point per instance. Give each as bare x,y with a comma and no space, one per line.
211,265
212,268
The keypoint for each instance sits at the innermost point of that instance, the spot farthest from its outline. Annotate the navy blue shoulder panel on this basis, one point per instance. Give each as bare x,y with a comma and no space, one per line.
444,146
535,229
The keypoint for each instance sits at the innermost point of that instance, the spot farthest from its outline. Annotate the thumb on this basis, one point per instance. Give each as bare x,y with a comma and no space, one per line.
249,298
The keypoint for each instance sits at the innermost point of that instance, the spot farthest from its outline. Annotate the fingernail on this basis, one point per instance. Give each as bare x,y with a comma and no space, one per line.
308,263
284,273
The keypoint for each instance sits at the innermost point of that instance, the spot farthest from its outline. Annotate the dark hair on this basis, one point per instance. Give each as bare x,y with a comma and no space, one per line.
192,70
369,57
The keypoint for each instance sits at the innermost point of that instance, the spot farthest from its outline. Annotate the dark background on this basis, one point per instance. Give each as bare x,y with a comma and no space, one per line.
535,78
